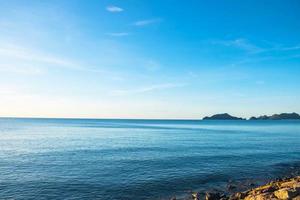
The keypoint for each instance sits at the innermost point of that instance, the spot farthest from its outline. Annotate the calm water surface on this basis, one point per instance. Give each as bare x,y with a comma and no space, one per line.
138,159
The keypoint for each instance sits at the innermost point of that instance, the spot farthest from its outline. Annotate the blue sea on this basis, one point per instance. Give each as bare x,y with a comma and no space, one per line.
139,159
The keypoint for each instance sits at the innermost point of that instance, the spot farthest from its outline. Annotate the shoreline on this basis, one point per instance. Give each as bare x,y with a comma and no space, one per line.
285,177
287,188
285,181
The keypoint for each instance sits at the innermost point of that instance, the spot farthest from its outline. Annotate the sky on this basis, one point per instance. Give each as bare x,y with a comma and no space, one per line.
162,59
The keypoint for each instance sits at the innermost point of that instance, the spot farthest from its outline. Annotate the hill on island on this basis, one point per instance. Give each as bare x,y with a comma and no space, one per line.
224,116
282,116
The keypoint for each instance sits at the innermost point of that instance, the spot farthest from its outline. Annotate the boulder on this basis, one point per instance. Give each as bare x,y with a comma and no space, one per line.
238,195
286,193
258,197
195,196
212,196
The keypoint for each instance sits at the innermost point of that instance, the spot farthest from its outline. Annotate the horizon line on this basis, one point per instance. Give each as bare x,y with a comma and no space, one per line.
104,118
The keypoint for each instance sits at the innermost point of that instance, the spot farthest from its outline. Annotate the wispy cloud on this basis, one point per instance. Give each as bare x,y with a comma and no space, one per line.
146,89
290,48
26,60
118,34
147,22
240,43
20,68
246,45
26,54
114,9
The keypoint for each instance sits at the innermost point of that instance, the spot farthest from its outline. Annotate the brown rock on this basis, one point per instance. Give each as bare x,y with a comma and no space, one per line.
296,185
258,197
238,196
288,188
297,197
269,189
265,188
288,184
286,193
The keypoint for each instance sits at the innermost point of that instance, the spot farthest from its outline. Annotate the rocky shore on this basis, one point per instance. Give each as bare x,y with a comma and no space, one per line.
284,189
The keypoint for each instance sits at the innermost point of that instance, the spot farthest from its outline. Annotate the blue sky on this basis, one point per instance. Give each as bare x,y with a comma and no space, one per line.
149,58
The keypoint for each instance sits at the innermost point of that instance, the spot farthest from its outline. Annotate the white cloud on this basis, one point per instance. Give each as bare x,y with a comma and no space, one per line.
147,22
241,44
119,34
244,44
26,60
114,9
291,48
26,54
20,68
147,89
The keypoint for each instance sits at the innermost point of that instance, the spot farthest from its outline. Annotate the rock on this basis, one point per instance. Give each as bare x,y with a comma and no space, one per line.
266,188
296,186
212,196
296,198
269,189
195,196
223,196
238,195
288,184
258,197
285,188
286,193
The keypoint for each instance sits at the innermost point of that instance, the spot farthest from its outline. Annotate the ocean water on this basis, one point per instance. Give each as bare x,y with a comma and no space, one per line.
139,159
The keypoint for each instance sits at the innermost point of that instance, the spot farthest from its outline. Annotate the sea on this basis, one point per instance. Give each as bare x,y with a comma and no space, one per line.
121,159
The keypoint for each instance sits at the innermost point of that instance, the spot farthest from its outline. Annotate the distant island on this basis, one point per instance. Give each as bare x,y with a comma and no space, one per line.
224,116
282,116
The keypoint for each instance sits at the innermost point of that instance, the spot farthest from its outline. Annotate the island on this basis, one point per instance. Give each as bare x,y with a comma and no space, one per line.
282,116
224,116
